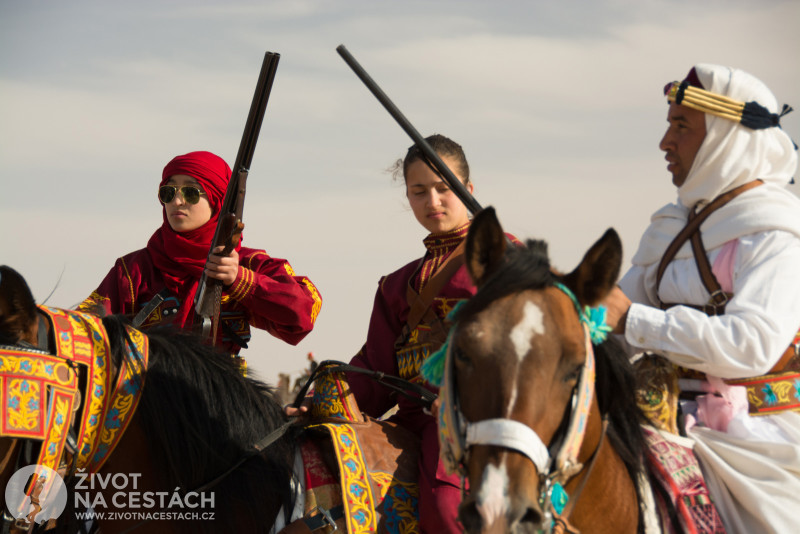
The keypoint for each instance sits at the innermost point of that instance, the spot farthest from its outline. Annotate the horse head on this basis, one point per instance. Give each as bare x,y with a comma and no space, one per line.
519,376
19,328
18,322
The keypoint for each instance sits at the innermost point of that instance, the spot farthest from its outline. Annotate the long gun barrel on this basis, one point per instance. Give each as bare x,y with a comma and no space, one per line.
230,225
450,179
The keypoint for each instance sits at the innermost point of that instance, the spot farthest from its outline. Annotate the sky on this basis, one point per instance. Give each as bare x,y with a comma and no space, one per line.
558,105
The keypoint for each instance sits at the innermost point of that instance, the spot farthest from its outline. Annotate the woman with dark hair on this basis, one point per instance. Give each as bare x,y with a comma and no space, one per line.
408,321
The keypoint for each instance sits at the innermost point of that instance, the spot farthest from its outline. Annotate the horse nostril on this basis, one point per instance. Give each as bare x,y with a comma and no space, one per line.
532,516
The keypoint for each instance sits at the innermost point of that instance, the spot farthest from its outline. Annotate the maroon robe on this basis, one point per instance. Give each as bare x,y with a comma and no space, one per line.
266,294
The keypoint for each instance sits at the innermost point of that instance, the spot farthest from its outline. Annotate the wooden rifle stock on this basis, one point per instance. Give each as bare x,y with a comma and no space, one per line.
230,225
433,158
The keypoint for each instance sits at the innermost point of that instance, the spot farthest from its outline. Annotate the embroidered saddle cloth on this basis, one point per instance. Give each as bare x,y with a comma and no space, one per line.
377,462
680,491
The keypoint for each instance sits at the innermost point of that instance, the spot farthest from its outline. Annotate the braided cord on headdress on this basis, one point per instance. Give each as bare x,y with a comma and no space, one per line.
750,114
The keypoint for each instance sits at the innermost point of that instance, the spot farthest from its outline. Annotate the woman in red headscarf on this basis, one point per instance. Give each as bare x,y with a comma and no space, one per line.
157,284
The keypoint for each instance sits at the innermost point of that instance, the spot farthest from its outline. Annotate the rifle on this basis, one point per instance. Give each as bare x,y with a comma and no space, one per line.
433,158
230,225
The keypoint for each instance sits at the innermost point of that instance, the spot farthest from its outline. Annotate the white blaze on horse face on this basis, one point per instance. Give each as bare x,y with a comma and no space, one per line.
532,323
521,335
492,499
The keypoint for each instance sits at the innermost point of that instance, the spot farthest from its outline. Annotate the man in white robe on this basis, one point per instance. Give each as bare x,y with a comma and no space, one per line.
751,463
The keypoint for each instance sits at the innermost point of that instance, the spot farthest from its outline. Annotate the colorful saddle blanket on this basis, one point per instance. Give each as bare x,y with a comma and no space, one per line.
680,491
377,463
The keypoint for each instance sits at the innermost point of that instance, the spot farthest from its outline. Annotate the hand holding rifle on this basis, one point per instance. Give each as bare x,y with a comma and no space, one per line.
223,268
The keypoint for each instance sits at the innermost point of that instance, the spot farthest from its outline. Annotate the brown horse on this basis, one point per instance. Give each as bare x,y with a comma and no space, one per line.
187,444
522,416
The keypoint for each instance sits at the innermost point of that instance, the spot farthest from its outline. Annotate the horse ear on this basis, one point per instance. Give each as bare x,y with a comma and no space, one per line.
486,246
597,273
17,307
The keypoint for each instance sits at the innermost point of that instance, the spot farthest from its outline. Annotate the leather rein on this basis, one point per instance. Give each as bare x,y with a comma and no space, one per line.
410,390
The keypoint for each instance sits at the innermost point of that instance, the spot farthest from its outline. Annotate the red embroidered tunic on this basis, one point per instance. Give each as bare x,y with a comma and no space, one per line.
266,294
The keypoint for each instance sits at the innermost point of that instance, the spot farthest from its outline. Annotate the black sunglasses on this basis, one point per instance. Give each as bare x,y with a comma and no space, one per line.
191,194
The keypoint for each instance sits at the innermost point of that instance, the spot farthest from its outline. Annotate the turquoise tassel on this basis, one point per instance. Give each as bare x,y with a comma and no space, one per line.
453,315
596,319
432,369
559,498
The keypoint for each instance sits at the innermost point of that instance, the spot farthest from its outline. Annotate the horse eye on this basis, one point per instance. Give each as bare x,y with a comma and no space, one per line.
574,375
459,355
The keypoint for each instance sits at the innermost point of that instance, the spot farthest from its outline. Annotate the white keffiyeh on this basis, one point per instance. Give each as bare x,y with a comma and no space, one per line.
731,155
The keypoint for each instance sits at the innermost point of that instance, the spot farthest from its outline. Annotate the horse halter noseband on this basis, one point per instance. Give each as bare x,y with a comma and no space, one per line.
457,435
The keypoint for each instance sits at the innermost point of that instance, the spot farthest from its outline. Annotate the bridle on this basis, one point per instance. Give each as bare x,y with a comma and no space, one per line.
555,464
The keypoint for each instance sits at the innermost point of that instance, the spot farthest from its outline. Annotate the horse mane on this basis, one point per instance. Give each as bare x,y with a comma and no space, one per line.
523,268
529,268
228,413
615,385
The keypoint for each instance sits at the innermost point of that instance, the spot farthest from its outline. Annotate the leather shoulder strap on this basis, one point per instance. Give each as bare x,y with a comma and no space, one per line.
692,227
718,298
420,302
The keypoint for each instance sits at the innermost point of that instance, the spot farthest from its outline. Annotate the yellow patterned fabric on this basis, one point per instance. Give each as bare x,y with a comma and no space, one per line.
422,341
657,392
356,489
372,499
773,393
333,399
377,461
39,391
38,394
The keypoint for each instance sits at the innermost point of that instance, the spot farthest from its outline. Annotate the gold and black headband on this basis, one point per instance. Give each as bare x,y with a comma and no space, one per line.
750,114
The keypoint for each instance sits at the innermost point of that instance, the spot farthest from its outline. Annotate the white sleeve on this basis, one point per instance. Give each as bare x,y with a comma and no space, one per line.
634,286
759,323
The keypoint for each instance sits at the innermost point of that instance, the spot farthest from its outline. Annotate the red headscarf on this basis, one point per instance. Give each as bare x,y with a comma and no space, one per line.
181,256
